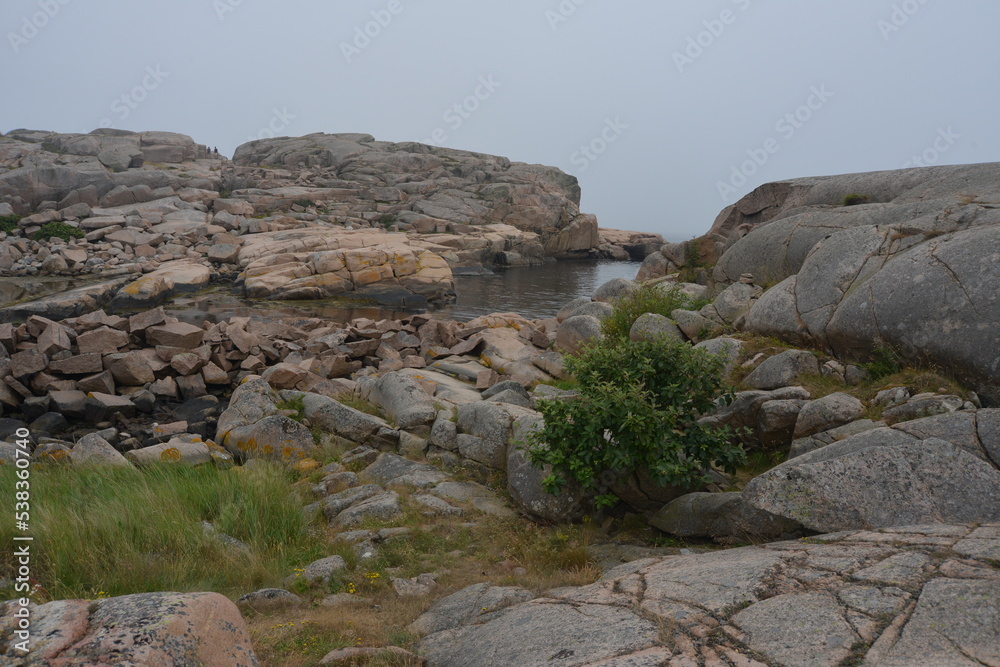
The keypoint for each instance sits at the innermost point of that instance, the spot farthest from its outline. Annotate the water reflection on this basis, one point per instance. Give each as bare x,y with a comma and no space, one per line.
534,292
15,290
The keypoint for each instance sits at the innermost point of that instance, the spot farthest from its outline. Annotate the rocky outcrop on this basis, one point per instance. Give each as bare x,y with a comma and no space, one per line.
910,270
911,595
937,469
154,629
48,166
425,187
320,264
305,218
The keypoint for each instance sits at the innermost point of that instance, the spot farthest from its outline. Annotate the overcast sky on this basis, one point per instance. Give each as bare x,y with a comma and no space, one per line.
666,110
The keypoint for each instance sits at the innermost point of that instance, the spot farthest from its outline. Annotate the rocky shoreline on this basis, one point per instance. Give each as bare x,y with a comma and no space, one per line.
876,537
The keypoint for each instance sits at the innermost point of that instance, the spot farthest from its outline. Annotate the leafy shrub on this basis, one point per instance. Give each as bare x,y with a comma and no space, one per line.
644,299
638,408
9,223
854,199
58,229
304,203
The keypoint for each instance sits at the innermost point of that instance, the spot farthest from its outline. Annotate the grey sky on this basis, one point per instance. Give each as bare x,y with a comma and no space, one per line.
886,79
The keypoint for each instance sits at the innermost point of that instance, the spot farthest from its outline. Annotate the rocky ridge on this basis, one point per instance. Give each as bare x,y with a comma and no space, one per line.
285,210
907,266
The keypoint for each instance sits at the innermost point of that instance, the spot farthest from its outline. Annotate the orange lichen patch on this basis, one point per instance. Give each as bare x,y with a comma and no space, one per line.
249,445
268,450
54,455
305,466
170,455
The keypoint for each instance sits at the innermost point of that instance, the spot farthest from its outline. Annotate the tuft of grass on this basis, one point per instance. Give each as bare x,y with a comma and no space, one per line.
296,405
885,362
9,223
122,531
854,199
361,405
657,299
58,229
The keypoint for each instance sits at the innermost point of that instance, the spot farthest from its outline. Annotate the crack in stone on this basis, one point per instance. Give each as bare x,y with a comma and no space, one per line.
975,421
954,276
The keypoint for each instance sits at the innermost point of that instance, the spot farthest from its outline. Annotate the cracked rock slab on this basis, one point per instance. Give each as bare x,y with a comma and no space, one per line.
540,634
956,621
804,629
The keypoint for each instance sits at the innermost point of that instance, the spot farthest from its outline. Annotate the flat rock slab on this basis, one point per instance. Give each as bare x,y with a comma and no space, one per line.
537,633
825,600
391,469
956,621
806,629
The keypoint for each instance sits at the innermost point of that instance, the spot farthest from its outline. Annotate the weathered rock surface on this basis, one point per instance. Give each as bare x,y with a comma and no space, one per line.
873,481
154,629
901,596
910,270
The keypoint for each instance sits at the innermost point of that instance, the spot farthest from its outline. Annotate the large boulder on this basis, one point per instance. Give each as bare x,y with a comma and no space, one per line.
151,629
252,428
910,270
576,332
723,516
320,263
401,398
436,188
524,480
848,485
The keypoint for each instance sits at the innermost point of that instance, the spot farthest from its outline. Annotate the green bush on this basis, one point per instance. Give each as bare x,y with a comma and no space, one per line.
9,223
854,199
638,408
58,229
644,299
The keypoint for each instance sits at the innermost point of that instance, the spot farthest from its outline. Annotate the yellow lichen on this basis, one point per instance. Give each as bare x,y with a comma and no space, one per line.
170,455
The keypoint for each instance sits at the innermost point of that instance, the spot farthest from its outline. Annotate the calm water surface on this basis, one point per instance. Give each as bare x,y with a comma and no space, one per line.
535,292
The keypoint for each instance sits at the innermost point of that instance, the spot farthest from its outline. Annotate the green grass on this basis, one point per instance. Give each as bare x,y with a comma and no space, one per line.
58,229
9,223
854,199
361,405
657,299
102,532
296,405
